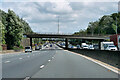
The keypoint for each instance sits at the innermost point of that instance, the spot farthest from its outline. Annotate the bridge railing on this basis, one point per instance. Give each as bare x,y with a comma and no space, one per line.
54,33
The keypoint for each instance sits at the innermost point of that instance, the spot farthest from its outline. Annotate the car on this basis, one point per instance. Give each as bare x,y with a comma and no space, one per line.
28,49
96,46
91,47
111,47
85,47
50,45
78,46
37,48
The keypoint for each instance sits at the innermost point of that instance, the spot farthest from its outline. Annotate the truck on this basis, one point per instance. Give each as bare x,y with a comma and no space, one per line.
116,39
108,46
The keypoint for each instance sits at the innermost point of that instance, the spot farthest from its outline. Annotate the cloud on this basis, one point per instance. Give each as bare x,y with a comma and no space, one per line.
60,0
73,16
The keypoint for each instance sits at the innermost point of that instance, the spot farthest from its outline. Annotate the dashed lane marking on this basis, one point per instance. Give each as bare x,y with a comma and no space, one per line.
49,60
20,58
7,61
41,66
27,78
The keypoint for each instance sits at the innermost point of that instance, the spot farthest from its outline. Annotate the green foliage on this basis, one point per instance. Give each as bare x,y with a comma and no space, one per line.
13,28
105,25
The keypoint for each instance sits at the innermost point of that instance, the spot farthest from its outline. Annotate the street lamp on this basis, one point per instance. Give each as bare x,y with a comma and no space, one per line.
58,24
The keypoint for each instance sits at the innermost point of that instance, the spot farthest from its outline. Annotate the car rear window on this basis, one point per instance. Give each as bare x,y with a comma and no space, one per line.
27,47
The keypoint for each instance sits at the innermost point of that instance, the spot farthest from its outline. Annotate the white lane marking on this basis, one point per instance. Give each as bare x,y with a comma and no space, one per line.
28,56
41,66
97,62
20,58
52,57
7,61
27,78
49,60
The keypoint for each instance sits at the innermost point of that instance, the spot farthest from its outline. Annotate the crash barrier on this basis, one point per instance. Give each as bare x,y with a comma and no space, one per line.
109,57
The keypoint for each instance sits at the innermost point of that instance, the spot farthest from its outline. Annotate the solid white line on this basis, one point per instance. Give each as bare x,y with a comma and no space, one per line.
20,58
41,66
7,61
93,60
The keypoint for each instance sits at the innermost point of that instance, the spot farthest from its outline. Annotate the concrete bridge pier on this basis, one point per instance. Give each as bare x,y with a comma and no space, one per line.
31,42
66,43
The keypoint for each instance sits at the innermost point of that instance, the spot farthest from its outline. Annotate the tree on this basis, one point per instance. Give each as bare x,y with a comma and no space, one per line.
13,28
104,25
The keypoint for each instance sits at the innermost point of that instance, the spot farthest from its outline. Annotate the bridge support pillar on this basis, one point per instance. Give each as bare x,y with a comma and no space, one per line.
100,44
66,43
31,42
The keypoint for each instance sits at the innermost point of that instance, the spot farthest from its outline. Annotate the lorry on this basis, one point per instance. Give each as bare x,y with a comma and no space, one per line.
108,46
116,39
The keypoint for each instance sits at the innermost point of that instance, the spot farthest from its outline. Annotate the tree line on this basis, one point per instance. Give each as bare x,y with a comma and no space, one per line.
12,28
105,25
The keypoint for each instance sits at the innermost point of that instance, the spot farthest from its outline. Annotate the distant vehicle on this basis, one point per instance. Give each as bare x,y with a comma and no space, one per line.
78,46
69,46
84,46
73,47
28,49
91,47
111,47
50,45
37,48
96,46
116,39
40,46
104,45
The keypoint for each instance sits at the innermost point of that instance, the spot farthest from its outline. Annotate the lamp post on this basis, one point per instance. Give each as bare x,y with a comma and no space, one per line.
58,24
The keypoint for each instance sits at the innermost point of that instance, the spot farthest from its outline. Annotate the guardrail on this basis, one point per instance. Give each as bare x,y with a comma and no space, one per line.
109,57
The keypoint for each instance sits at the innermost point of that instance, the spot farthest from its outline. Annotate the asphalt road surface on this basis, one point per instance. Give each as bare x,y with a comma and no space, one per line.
52,63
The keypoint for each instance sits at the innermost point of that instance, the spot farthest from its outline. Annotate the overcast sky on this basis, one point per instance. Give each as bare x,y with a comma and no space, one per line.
42,16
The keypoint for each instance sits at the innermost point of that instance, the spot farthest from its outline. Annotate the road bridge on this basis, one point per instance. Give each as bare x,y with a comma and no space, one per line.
66,37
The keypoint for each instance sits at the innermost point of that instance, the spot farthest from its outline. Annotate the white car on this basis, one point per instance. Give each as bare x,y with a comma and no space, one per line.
85,47
111,47
28,49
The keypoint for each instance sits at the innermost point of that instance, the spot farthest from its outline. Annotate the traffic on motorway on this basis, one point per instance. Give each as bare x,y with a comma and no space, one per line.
52,61
66,39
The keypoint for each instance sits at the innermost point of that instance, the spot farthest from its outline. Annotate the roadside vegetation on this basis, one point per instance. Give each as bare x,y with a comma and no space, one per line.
104,26
12,28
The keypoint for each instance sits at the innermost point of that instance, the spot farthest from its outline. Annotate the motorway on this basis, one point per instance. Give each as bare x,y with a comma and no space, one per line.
51,63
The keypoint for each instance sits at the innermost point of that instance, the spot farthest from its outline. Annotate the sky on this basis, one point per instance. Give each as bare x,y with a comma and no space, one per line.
73,16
